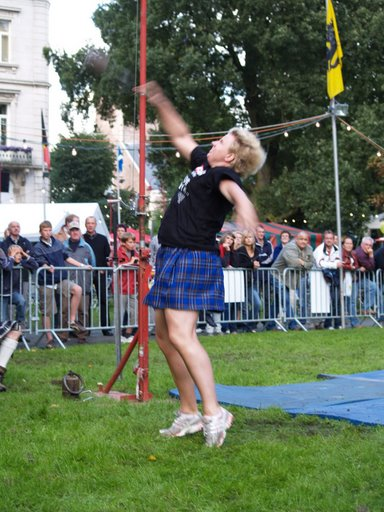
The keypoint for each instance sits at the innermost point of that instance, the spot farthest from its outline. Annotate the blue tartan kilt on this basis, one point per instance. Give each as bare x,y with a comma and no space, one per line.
188,280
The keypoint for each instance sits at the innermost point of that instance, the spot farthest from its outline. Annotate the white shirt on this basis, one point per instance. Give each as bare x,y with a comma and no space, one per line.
325,259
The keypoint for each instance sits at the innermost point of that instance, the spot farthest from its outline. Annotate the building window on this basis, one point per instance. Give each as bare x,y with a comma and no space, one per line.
4,40
3,124
4,181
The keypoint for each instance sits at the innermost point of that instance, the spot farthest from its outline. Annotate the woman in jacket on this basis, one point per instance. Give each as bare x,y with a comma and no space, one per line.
350,265
246,257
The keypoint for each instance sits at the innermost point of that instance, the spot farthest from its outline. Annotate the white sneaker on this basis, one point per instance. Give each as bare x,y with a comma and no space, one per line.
215,427
184,424
126,340
5,328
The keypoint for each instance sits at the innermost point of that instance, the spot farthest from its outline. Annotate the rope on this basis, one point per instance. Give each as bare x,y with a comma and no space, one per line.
71,391
361,135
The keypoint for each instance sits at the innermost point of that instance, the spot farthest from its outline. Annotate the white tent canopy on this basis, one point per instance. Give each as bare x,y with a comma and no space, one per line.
29,215
376,221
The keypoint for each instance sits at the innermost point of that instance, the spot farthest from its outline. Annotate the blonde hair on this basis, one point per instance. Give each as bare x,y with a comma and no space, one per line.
249,154
12,247
246,233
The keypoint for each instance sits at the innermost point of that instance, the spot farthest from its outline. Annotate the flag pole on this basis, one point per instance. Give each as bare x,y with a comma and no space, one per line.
338,214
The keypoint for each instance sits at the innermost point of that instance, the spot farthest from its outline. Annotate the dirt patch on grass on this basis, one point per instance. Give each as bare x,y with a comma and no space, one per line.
283,425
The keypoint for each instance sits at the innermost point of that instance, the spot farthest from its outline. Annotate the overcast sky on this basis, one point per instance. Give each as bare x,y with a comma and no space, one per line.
71,27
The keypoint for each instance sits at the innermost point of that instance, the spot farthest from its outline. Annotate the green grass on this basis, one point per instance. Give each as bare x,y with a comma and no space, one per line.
63,455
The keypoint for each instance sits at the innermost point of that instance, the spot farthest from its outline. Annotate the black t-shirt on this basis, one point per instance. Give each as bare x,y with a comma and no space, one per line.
198,209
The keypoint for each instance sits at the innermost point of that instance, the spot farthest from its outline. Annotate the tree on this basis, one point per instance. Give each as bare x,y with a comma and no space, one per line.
86,175
256,63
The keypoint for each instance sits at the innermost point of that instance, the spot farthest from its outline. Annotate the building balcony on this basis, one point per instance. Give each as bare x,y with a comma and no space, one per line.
13,156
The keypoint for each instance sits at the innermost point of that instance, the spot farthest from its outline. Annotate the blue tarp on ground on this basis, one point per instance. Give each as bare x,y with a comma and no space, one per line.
358,398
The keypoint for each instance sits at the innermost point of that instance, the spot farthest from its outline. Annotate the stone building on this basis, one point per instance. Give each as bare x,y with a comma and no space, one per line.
24,95
127,139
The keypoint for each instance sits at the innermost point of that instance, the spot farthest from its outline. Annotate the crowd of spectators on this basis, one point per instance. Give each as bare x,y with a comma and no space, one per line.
264,281
67,261
69,291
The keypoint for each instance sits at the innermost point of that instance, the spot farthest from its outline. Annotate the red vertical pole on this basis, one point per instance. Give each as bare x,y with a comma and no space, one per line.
143,366
142,112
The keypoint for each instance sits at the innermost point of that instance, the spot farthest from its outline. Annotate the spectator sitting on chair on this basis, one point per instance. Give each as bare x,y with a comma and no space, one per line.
10,331
11,288
82,252
49,253
366,266
14,238
328,258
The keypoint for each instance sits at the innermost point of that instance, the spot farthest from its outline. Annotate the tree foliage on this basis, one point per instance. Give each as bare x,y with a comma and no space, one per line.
83,177
128,206
253,63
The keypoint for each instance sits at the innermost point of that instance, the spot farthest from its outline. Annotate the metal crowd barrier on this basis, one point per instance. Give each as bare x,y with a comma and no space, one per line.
250,297
95,312
16,298
380,293
297,298
283,301
314,295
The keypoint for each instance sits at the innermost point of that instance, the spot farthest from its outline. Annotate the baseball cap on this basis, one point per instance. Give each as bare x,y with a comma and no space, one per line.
74,225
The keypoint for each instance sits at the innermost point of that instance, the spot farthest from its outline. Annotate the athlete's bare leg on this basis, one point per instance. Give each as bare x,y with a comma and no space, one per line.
188,361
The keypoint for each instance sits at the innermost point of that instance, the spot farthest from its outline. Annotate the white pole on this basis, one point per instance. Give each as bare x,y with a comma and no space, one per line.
118,199
44,189
119,169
